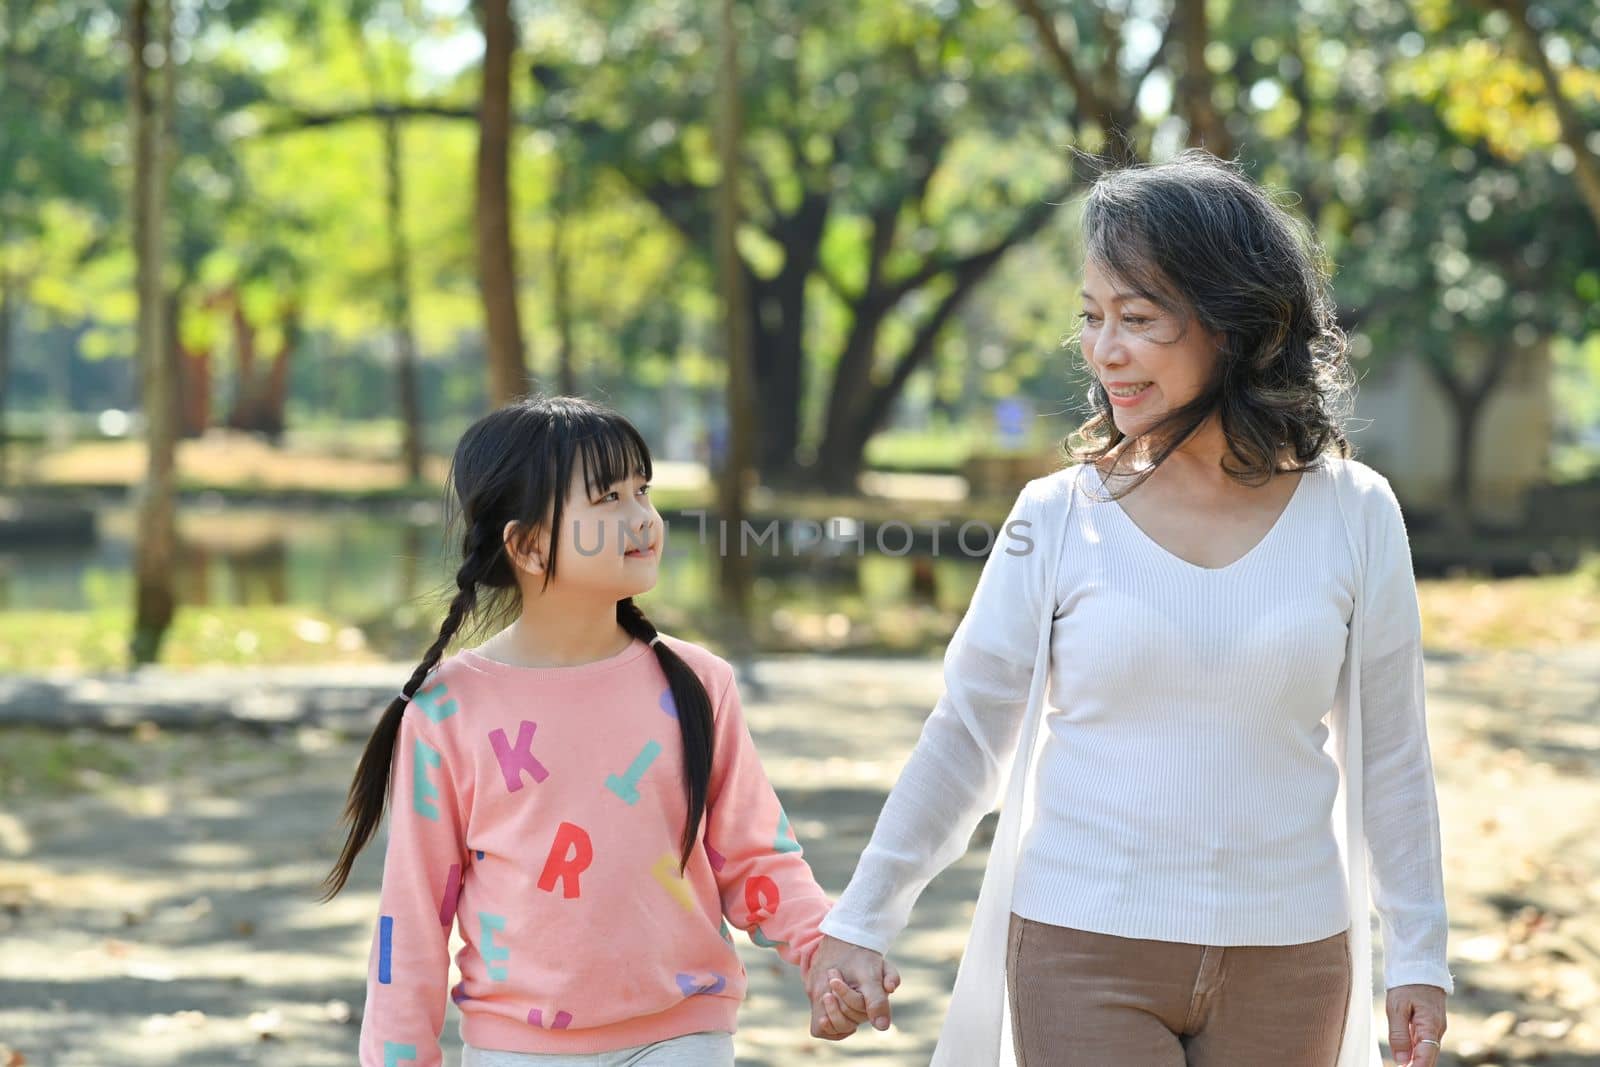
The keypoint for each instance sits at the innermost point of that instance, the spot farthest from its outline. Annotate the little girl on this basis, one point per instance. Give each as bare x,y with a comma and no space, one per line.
579,792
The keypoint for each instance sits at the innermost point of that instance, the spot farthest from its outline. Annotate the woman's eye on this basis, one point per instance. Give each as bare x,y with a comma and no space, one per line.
1135,320
1088,318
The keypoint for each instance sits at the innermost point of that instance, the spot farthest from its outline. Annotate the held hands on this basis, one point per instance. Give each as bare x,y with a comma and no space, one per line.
1416,1024
848,985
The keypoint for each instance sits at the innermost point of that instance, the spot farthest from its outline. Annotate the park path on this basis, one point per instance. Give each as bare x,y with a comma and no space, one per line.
163,912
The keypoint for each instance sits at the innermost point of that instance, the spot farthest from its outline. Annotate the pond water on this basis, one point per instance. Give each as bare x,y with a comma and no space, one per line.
363,566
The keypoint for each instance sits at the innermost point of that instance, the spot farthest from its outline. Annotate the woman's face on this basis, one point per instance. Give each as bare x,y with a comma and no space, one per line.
1143,356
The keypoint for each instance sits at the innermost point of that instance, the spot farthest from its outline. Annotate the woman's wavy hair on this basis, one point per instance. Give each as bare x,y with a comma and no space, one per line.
1203,242
515,465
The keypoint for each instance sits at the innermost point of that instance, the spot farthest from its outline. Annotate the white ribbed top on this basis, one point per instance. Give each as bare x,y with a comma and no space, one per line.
1184,793
1183,790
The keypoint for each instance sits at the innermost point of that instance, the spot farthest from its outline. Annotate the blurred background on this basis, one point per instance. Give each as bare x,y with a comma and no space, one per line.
261,261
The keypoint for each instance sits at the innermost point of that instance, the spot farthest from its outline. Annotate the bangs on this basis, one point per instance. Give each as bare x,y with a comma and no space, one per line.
1125,249
610,450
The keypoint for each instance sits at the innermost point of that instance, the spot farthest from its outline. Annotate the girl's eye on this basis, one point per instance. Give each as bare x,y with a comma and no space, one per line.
1088,318
645,488
608,496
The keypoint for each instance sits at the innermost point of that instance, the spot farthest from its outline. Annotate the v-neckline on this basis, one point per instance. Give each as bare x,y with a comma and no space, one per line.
1139,531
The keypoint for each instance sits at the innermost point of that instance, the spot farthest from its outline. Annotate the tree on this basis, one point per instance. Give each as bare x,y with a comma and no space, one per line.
152,104
397,304
58,201
1423,159
894,156
497,275
363,133
1575,135
732,480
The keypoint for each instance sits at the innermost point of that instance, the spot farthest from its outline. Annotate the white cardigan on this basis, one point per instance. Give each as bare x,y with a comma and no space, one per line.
896,866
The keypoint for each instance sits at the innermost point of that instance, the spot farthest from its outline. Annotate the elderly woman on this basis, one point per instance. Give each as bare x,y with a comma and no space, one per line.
1219,603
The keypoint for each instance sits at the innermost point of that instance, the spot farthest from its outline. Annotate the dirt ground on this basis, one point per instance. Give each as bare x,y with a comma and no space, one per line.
156,887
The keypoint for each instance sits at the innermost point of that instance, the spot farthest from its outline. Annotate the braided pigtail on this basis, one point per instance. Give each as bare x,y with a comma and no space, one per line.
694,721
369,792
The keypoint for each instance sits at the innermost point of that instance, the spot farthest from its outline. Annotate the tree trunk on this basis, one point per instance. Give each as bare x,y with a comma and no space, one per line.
859,407
192,379
274,393
1467,399
561,283
194,389
245,379
733,479
156,548
776,311
8,291
1462,508
1206,128
405,345
839,466
497,278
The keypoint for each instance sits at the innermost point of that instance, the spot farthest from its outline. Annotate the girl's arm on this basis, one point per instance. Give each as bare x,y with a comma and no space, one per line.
766,886
1399,806
409,968
952,777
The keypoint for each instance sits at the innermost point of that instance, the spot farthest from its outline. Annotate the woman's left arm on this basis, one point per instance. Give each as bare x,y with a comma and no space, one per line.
1400,809
1399,806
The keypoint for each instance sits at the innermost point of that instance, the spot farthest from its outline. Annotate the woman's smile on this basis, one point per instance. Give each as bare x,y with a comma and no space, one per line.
1130,396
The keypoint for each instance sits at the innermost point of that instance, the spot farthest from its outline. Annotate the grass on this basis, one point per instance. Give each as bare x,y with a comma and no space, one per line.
1513,613
944,449
40,762
1466,614
37,641
36,761
233,463
241,468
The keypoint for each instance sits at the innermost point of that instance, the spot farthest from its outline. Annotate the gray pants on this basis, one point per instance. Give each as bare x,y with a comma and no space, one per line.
691,1050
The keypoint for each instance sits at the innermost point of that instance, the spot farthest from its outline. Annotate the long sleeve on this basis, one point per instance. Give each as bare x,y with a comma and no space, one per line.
952,777
766,886
1400,808
408,971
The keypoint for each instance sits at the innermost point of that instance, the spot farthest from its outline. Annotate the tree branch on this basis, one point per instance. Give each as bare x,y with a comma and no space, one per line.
1113,117
1086,97
1586,163
294,120
968,272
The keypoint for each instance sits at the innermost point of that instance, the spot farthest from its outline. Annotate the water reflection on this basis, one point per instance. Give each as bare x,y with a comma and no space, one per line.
361,565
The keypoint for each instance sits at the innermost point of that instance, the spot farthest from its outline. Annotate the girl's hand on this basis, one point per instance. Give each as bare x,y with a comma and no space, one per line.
867,979
845,1008
1416,1024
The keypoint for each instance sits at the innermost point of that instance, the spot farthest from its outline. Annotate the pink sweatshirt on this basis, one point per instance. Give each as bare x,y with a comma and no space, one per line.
542,809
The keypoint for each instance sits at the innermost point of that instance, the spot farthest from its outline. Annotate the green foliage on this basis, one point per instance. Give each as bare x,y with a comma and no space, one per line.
1416,138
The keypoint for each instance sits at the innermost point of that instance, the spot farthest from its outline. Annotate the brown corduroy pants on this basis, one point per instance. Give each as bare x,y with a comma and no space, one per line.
1083,999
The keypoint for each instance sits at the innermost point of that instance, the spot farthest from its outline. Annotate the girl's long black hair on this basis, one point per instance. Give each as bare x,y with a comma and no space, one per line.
514,465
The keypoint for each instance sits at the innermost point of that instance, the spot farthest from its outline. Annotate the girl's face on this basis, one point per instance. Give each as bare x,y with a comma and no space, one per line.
1142,354
610,545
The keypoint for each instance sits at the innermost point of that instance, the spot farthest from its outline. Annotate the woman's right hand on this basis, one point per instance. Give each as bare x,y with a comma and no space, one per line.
863,970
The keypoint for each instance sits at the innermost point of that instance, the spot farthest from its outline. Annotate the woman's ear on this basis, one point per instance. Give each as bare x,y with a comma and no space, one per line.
526,555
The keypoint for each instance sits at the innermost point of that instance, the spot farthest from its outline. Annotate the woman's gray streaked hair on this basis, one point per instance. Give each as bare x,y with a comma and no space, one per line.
1205,243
